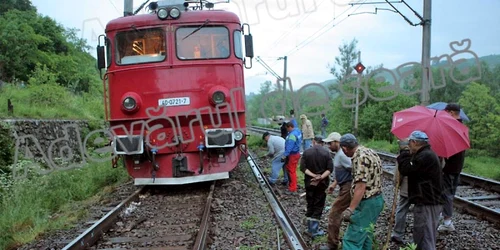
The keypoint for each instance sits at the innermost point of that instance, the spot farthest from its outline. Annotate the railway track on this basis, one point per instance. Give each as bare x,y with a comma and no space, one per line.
291,234
176,218
475,195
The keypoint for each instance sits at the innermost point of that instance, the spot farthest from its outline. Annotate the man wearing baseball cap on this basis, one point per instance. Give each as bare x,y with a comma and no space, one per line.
423,169
366,194
343,178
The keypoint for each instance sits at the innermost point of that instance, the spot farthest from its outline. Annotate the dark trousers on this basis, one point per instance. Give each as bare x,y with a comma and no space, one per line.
425,223
450,183
315,197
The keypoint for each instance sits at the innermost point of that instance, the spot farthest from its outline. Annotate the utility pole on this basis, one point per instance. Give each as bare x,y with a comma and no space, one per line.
426,53
284,81
128,7
285,59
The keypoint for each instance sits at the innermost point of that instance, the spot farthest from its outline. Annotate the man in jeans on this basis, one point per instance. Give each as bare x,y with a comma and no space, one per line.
451,176
403,204
307,132
324,124
316,164
276,147
423,169
343,178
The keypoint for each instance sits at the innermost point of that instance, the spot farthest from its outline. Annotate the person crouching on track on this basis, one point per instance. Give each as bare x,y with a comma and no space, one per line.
292,155
343,178
317,165
423,169
276,147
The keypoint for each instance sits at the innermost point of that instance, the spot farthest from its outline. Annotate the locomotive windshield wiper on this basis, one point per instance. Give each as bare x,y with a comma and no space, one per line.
197,29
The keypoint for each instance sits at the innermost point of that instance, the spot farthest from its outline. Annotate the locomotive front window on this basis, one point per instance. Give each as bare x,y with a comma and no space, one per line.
205,43
140,46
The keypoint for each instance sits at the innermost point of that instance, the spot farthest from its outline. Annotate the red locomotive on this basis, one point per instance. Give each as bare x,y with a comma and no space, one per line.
174,91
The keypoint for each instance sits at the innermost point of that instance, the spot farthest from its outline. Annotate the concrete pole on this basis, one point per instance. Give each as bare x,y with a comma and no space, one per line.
426,53
284,82
128,7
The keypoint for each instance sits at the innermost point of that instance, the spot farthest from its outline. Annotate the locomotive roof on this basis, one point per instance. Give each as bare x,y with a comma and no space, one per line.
215,16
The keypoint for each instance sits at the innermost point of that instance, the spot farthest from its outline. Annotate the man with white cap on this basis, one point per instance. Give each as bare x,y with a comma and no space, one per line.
423,169
343,178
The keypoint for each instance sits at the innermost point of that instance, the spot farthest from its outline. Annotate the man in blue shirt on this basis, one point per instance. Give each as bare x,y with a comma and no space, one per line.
292,155
324,124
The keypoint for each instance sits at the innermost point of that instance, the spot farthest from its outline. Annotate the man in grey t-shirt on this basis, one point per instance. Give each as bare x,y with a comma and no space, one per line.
276,148
343,178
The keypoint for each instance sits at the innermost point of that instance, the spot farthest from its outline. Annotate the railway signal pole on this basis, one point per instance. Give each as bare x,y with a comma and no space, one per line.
359,68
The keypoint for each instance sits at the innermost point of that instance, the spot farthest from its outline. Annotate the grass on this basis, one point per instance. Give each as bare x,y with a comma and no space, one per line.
250,223
38,205
483,166
51,102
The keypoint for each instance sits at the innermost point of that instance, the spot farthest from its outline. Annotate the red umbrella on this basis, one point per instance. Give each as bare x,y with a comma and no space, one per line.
447,136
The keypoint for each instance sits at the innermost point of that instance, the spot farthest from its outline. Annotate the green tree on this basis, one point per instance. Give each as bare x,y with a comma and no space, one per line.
22,5
484,111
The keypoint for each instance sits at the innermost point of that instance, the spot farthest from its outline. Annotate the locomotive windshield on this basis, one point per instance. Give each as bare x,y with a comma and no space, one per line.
206,43
140,46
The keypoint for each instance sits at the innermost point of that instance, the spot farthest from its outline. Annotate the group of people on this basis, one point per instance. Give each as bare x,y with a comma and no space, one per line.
306,129
358,173
427,181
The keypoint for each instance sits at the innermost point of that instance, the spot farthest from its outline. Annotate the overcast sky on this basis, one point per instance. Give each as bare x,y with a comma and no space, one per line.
309,32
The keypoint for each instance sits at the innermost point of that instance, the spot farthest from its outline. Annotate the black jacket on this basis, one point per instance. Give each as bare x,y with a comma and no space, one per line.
424,176
284,132
318,160
455,163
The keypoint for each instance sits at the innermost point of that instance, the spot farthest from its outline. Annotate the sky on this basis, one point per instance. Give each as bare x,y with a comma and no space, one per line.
309,32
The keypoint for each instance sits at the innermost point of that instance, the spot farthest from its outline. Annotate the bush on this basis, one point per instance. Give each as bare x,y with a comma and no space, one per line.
7,146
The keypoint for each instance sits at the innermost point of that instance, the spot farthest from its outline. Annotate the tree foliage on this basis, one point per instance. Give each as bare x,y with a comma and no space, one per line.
479,100
29,41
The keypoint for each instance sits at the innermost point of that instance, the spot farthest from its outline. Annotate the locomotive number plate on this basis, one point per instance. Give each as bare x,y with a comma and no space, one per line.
178,101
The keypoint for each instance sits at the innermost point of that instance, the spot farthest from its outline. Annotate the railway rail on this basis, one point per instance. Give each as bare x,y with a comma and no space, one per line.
177,220
292,235
476,195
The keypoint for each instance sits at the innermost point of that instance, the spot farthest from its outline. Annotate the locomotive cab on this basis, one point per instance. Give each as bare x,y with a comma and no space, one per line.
174,91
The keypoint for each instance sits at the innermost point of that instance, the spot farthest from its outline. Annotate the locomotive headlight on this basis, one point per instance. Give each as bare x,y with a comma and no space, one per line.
218,97
175,13
162,13
238,135
129,103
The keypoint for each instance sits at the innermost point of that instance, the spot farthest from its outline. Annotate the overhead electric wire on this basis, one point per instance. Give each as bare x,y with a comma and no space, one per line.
292,28
312,37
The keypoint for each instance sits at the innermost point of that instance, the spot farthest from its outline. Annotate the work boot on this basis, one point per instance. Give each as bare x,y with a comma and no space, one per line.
328,247
315,230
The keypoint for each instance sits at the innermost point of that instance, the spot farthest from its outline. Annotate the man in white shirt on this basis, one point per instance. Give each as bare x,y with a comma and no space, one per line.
276,147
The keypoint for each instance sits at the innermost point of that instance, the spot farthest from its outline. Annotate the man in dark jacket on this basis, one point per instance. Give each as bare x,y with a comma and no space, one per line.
316,164
422,167
451,175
